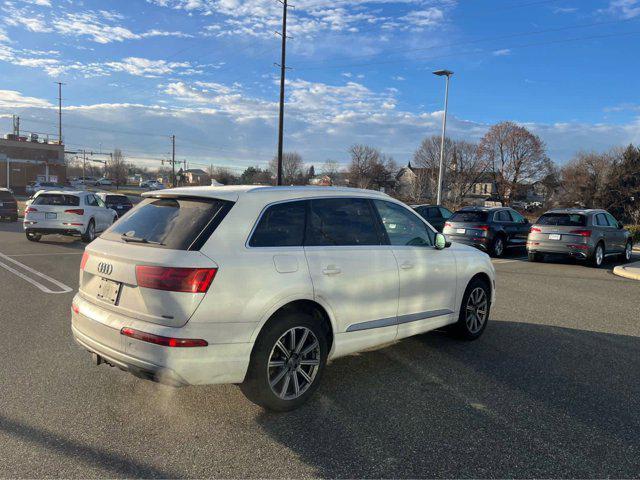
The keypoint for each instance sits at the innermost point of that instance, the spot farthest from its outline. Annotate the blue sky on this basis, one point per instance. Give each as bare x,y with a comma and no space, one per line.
139,71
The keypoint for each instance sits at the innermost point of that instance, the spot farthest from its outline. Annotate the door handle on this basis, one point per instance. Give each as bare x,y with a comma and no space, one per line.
407,266
331,270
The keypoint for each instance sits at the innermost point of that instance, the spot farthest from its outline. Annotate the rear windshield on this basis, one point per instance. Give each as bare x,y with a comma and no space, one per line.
469,216
4,195
563,219
57,199
174,223
118,199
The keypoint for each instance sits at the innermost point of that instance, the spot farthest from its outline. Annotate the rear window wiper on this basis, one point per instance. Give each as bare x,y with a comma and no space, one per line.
133,239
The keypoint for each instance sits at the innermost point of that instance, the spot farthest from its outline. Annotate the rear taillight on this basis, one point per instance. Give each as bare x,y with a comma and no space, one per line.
75,211
447,224
582,233
164,341
75,308
30,209
193,280
535,230
484,228
83,262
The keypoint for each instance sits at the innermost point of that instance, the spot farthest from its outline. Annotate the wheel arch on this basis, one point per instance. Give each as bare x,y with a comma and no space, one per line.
486,279
312,307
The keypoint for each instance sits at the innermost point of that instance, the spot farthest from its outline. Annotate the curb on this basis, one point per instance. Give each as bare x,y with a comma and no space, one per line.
631,271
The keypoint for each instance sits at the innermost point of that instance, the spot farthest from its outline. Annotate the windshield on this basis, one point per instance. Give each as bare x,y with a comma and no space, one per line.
174,223
469,216
117,200
563,219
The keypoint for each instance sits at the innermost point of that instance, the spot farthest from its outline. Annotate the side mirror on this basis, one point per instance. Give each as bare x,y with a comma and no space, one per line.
441,242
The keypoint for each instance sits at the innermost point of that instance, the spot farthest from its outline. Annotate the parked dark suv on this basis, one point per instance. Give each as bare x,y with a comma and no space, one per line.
8,205
116,202
492,229
585,234
436,215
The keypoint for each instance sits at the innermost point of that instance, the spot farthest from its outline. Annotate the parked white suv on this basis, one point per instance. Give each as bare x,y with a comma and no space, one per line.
66,213
260,286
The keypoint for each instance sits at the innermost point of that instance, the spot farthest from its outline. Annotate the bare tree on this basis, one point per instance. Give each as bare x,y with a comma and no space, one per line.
462,168
584,178
117,168
292,168
222,175
363,159
331,169
515,155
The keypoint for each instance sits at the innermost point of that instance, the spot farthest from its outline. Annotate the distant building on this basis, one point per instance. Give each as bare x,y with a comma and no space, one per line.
27,159
196,176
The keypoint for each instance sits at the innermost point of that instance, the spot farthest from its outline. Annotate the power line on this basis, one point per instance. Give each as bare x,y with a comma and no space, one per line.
472,52
481,40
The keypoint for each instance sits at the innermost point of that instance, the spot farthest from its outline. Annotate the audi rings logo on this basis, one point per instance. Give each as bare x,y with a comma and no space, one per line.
105,268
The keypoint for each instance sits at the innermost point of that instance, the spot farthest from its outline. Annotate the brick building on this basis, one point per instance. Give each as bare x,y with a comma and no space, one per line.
26,159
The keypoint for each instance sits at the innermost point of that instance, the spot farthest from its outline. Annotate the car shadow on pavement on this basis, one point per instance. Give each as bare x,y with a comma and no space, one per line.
523,401
90,456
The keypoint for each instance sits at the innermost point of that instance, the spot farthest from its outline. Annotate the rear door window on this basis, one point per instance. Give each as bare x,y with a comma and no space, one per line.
517,217
563,219
56,199
471,216
117,200
281,225
502,216
173,223
434,212
612,221
341,221
445,212
601,220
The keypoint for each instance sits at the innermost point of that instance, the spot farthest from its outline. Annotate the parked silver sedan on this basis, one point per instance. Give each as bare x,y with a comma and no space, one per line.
584,234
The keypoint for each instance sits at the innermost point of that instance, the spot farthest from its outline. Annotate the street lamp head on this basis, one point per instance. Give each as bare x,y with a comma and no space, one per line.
443,73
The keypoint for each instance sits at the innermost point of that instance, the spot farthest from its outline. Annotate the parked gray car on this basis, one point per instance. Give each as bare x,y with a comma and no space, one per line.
584,234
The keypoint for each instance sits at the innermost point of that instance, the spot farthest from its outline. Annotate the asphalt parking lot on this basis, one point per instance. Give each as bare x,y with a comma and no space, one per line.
551,390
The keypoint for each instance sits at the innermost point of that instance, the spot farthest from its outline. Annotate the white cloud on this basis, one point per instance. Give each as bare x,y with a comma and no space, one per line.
503,52
10,99
624,8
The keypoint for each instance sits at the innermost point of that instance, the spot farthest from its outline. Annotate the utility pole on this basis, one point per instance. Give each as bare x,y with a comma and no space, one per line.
173,161
283,68
60,112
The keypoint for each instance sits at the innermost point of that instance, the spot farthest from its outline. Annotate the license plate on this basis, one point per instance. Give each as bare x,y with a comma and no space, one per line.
460,230
50,216
119,207
554,236
108,290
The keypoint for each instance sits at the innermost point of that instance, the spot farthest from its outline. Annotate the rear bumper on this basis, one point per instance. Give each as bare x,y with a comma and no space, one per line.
577,250
481,243
73,231
98,331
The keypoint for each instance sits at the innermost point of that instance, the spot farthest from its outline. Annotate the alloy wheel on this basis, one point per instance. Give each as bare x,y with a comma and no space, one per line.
293,363
498,247
477,310
628,251
599,255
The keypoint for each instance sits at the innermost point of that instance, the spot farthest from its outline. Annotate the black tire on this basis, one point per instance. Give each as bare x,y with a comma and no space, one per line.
596,260
534,257
256,386
89,234
465,328
33,237
497,246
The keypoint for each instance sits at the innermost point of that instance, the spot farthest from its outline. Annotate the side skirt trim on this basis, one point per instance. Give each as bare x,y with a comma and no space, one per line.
387,322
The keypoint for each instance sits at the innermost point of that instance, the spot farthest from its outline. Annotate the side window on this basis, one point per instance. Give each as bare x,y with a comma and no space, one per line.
402,226
517,217
91,201
446,213
281,225
434,212
502,216
100,202
341,221
612,221
601,220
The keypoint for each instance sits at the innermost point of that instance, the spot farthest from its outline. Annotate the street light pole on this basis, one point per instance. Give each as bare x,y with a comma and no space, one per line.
443,73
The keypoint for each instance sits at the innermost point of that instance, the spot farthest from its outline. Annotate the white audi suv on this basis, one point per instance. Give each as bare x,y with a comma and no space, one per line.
261,286
62,212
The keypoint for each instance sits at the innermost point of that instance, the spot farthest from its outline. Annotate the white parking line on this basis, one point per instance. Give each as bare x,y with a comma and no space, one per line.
509,260
44,288
44,254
